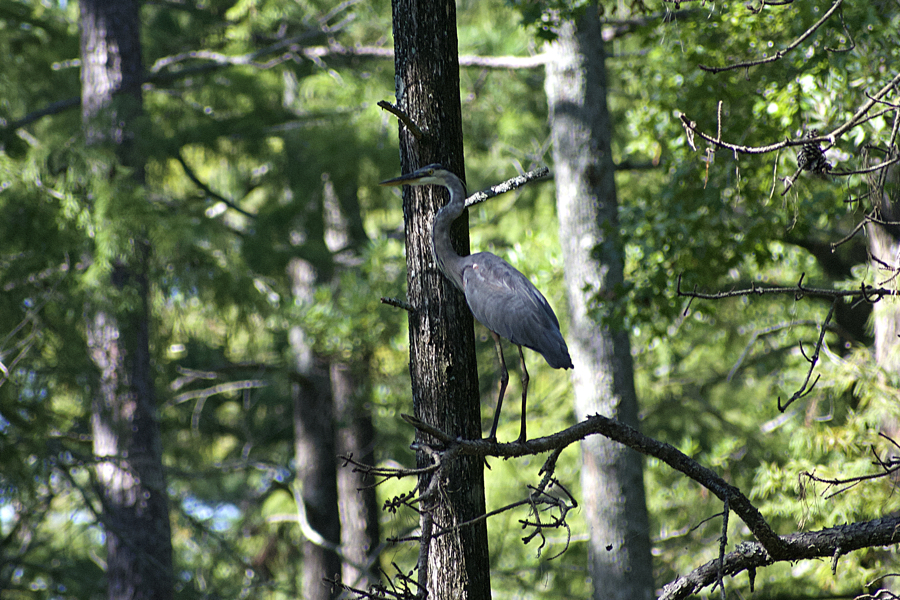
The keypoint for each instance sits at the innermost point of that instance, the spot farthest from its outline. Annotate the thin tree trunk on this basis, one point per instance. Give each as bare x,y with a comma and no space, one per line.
315,453
124,413
358,503
351,393
442,342
612,482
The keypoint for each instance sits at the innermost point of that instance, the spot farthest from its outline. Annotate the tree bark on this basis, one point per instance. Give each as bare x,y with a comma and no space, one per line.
442,342
612,479
124,413
315,452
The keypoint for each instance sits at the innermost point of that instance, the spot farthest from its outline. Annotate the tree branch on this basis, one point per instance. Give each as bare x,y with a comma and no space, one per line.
830,543
632,438
830,138
507,186
778,55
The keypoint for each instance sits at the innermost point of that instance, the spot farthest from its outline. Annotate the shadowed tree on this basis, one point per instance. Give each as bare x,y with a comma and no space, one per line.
124,414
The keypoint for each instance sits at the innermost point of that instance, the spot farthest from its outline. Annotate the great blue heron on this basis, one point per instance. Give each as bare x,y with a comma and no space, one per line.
500,297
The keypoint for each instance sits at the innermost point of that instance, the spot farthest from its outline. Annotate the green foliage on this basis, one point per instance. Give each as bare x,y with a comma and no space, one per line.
296,144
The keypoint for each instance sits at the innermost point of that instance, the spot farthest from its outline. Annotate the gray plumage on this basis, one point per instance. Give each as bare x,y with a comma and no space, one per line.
499,296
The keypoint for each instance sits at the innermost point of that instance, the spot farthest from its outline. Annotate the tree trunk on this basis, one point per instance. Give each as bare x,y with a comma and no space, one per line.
358,503
124,420
315,453
442,342
884,246
612,481
351,393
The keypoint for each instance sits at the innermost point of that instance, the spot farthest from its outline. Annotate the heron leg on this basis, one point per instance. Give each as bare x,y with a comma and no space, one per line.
522,437
504,380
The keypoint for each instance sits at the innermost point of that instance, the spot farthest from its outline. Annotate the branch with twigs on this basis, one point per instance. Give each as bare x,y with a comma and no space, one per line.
784,51
692,131
865,293
889,466
832,542
768,548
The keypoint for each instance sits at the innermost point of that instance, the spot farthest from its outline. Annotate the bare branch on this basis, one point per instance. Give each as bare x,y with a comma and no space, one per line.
857,118
630,437
209,191
507,186
222,388
825,543
398,303
867,292
778,55
404,118
806,388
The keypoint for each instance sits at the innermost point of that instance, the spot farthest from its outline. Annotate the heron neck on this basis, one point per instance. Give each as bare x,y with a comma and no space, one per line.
446,257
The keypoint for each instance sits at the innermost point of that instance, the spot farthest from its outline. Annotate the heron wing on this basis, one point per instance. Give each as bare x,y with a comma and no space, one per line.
504,301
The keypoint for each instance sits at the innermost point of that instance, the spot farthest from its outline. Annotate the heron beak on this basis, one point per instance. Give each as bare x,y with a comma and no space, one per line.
400,180
411,178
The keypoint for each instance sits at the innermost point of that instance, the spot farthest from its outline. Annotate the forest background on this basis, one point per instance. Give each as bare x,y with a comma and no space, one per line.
272,245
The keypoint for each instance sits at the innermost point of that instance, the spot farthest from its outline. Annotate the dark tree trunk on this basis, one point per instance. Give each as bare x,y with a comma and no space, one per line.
442,342
315,453
124,413
612,480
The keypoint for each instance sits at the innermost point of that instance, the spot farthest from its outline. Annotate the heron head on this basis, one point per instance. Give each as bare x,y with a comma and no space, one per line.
433,174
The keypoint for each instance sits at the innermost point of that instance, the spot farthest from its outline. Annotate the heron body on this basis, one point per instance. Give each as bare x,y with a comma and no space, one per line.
499,296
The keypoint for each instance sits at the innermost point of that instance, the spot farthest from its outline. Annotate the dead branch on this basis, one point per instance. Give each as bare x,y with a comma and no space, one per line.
778,55
867,292
397,303
632,438
403,117
806,388
857,118
507,186
825,543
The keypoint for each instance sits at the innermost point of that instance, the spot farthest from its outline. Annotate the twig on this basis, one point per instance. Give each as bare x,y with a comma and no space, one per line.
404,118
855,230
806,388
398,303
209,192
754,337
871,169
723,542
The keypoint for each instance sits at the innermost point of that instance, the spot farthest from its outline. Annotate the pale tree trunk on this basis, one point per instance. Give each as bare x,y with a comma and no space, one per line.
442,341
358,502
124,413
612,480
315,452
884,247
